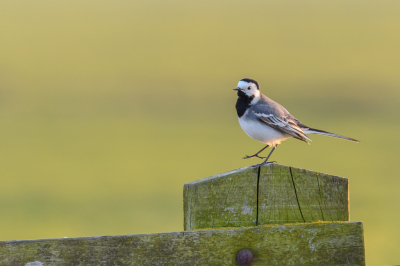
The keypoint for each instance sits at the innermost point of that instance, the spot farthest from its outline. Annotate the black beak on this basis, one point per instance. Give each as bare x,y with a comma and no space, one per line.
236,89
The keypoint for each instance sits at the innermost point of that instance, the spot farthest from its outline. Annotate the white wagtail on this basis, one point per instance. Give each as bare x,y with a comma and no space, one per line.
268,121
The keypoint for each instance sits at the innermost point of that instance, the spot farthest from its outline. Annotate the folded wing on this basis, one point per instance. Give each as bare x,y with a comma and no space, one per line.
283,124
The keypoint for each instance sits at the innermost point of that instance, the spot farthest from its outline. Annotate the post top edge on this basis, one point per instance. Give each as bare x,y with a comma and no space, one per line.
321,173
235,171
252,168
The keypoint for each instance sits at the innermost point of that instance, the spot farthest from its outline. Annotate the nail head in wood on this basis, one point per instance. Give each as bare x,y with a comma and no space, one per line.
245,257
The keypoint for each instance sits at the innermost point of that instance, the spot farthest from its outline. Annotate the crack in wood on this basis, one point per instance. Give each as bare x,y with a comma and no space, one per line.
320,198
258,189
295,193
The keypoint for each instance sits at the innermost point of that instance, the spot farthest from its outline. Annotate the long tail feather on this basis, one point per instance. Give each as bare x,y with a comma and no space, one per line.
321,132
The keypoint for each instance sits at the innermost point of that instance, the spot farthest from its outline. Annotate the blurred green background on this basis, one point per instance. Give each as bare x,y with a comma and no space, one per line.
108,107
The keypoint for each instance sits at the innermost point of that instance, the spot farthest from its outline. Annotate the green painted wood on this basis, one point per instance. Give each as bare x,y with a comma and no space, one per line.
223,200
285,195
324,243
277,202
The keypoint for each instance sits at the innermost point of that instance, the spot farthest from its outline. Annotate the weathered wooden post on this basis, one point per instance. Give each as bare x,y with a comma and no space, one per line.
285,215
271,215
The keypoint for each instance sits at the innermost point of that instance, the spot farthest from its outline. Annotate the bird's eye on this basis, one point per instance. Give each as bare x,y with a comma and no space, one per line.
249,88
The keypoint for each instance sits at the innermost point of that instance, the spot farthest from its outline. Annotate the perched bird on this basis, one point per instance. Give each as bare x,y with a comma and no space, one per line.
268,121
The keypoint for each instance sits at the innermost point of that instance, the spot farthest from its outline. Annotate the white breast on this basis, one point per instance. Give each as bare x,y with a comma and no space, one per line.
262,132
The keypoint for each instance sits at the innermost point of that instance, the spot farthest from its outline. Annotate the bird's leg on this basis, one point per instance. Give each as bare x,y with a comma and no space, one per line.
256,155
265,162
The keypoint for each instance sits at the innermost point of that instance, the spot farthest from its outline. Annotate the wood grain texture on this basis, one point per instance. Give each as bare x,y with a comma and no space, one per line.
285,195
277,201
321,197
224,200
288,194
324,243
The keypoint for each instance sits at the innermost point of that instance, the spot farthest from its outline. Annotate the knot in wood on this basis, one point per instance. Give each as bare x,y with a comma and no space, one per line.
245,257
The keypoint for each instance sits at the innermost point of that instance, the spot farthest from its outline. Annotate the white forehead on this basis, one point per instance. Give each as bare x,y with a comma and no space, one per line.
243,84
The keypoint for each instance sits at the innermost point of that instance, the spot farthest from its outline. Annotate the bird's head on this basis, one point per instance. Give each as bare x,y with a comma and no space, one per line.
248,88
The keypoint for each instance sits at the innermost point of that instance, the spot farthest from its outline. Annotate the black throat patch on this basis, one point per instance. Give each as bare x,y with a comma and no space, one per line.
243,103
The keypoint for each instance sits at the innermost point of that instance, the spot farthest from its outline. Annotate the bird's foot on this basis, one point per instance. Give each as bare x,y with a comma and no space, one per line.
264,163
252,156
